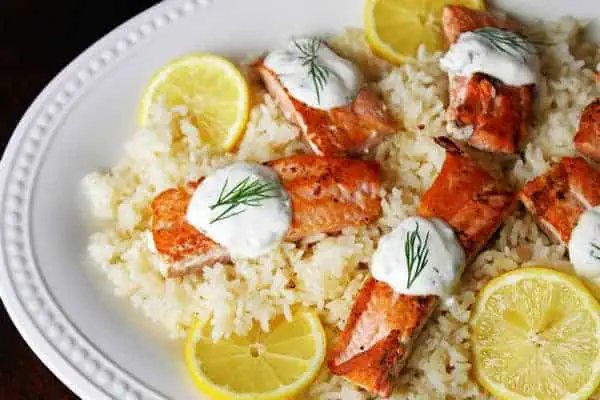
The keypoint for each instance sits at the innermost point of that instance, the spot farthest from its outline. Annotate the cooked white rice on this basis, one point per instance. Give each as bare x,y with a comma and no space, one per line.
326,272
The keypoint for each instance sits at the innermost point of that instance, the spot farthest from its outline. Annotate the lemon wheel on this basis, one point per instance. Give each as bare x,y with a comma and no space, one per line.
263,365
396,28
214,91
535,334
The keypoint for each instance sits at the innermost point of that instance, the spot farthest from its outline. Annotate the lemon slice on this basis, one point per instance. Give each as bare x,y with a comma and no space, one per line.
274,365
212,88
535,334
396,28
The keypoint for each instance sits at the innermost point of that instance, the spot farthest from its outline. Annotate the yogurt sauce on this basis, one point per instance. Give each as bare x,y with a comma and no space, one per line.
584,246
419,257
495,52
315,75
260,219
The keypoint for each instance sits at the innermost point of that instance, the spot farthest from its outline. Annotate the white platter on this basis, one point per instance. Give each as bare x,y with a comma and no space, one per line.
95,343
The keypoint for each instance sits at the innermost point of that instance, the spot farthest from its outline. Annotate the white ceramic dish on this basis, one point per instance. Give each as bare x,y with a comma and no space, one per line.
95,343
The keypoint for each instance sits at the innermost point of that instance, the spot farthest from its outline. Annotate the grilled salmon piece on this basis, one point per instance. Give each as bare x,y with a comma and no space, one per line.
558,198
587,139
468,198
183,248
339,131
327,195
492,116
383,325
379,332
488,114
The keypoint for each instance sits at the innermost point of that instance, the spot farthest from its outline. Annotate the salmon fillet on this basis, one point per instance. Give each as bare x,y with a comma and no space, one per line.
587,139
494,116
490,115
378,335
183,248
339,131
327,195
468,198
383,325
558,198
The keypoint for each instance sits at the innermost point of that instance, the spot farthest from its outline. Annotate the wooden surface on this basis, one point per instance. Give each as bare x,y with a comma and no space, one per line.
37,39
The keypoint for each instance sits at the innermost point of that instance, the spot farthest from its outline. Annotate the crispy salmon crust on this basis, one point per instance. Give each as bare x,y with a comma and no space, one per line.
339,131
491,115
382,326
327,194
587,139
558,198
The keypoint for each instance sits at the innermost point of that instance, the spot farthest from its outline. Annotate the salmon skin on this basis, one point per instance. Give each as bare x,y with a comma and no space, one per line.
558,198
327,195
587,139
337,132
382,326
490,115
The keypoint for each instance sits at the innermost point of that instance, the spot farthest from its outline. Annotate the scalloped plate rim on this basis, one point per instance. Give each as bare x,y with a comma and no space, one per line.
51,356
53,359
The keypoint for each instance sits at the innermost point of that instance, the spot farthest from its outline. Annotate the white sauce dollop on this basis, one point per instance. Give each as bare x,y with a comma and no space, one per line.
315,75
584,256
445,258
250,230
511,58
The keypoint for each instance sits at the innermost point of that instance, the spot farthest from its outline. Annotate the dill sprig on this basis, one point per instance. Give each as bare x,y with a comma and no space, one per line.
595,251
317,71
246,193
416,252
506,41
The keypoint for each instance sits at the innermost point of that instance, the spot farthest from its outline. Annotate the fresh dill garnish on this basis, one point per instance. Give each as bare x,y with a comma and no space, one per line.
506,41
309,56
246,193
595,251
416,252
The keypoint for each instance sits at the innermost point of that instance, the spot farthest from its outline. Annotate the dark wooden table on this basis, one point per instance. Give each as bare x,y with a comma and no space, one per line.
37,39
